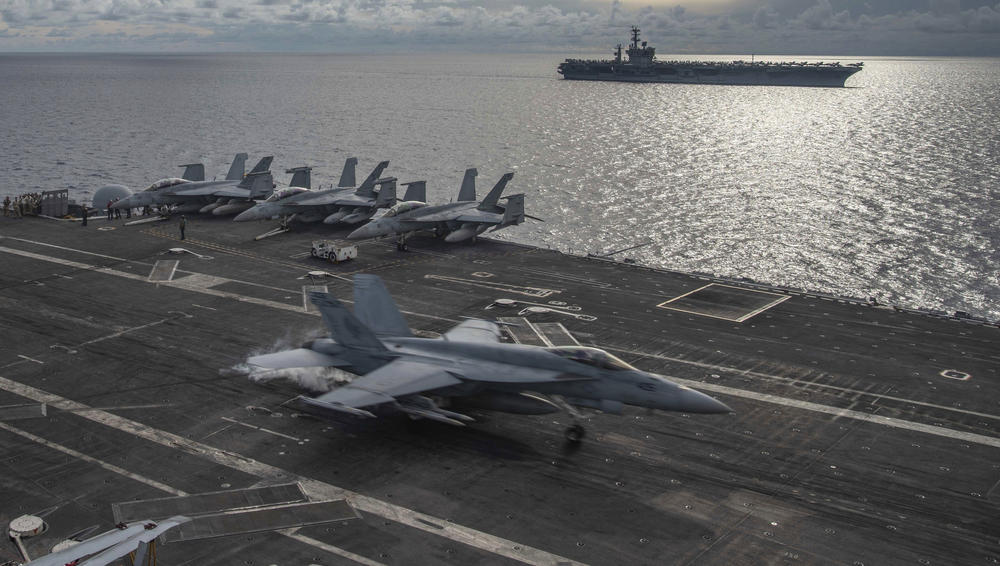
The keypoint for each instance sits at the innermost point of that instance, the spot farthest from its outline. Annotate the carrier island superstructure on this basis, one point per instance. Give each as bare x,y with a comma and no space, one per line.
641,66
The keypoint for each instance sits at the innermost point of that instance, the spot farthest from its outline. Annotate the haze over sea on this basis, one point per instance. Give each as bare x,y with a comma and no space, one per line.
888,188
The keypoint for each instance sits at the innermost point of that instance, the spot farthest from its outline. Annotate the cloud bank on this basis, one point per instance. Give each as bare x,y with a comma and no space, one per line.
894,27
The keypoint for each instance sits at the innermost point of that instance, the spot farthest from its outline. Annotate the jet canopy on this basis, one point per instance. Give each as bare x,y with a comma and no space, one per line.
592,357
402,207
285,193
168,182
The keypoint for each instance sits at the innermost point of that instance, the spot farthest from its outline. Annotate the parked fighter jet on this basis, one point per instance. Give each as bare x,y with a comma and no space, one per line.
228,196
469,365
456,221
341,204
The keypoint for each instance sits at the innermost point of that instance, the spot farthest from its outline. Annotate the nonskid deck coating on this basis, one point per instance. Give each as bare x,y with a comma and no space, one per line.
905,471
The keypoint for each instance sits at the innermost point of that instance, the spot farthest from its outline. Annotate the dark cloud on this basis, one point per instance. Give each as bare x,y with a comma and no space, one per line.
891,27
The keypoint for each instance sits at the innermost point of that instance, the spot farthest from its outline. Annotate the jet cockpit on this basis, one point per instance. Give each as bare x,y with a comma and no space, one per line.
285,193
592,357
168,182
402,207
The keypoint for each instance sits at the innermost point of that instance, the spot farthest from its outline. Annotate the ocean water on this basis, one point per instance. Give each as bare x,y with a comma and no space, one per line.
888,188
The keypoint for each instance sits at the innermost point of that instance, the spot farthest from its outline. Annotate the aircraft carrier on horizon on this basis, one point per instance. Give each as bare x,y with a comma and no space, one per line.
641,66
862,434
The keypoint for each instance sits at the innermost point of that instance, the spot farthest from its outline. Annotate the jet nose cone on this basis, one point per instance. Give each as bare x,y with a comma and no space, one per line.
367,231
246,215
123,203
692,401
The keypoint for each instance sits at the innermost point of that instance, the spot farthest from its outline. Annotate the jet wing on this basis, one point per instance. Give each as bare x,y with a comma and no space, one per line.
231,192
473,330
395,379
442,215
200,191
480,216
297,358
327,198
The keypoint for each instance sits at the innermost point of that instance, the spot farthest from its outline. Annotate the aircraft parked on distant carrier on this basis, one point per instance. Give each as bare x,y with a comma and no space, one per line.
468,365
341,204
456,221
231,195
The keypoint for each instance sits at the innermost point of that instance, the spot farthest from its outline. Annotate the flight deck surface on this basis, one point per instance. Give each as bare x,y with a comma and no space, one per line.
862,435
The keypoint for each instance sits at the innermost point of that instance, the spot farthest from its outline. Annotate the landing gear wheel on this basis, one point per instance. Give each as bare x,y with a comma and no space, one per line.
575,433
401,247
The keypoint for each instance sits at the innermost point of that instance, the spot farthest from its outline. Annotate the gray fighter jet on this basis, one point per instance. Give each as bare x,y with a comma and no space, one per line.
341,204
231,195
468,365
456,221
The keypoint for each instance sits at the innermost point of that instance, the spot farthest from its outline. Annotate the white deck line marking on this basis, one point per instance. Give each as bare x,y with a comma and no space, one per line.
30,359
319,490
181,284
92,460
802,382
772,304
126,331
290,533
260,428
545,339
67,249
848,413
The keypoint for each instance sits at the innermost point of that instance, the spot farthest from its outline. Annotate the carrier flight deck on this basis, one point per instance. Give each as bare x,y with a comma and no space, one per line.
862,434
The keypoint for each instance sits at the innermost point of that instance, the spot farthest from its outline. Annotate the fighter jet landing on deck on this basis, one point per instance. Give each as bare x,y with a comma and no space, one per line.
467,366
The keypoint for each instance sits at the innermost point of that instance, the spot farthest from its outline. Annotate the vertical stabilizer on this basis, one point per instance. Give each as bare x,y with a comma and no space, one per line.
490,202
237,168
301,177
415,191
367,188
386,192
260,184
513,212
374,307
344,327
263,165
194,172
347,175
468,190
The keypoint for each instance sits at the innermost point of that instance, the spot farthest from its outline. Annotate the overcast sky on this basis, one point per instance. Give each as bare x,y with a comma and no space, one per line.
834,27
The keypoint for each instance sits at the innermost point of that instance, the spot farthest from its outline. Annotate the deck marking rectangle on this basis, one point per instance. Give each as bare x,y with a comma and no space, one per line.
207,503
18,412
269,519
743,313
306,289
556,334
163,270
521,331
